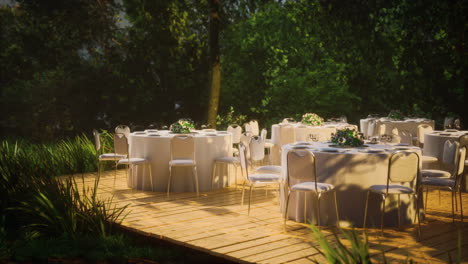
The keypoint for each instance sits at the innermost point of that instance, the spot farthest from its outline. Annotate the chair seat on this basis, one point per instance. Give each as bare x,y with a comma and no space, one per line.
269,145
310,187
133,161
265,177
392,188
182,162
268,169
444,182
111,156
227,159
429,159
435,173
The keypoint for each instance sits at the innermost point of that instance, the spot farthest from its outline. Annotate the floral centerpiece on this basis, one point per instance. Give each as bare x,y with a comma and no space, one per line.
182,126
396,115
312,119
347,137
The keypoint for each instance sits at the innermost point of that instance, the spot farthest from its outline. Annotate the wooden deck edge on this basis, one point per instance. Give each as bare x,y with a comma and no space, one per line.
157,239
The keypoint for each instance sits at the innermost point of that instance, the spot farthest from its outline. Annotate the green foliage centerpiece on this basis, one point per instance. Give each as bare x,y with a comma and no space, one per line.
183,126
312,119
396,115
347,138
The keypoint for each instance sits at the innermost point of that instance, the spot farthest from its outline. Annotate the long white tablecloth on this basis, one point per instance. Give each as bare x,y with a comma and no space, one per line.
156,149
410,125
352,172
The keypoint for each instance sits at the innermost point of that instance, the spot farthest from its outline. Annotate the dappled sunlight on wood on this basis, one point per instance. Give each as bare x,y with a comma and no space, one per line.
217,223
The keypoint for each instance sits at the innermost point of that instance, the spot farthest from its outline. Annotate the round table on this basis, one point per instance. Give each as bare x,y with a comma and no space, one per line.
386,125
302,133
434,144
352,171
155,147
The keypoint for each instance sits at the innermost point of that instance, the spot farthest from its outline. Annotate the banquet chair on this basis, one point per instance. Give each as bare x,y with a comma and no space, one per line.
449,161
123,129
302,177
453,183
396,135
287,134
101,157
268,144
371,128
236,131
121,147
463,140
256,178
406,137
448,122
254,127
226,161
257,155
402,178
457,124
183,155
423,129
248,129
449,158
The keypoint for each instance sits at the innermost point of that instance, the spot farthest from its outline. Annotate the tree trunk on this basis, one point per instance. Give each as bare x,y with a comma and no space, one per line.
214,63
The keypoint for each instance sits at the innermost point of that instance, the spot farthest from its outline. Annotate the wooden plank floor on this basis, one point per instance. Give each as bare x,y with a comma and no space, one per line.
216,223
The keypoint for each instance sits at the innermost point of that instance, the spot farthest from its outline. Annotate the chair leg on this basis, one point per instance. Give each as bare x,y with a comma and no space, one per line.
169,181
213,175
235,176
305,207
250,197
151,177
427,194
439,197
416,200
399,223
243,191
365,209
384,198
115,173
195,174
461,205
453,209
318,209
336,209
287,206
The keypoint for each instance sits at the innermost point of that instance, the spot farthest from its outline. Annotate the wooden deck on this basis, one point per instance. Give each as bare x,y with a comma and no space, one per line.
216,223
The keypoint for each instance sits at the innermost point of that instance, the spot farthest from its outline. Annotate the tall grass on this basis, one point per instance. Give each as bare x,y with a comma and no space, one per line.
34,202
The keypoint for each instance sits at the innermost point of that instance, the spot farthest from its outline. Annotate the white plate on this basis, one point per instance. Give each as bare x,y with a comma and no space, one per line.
151,130
371,150
329,150
210,135
302,143
139,133
402,144
300,147
154,135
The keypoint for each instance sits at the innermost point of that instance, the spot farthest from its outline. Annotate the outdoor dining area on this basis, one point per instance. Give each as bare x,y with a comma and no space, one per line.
375,176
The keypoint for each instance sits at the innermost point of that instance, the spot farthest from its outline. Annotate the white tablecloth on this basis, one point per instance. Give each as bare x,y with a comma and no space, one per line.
410,125
302,132
351,172
156,149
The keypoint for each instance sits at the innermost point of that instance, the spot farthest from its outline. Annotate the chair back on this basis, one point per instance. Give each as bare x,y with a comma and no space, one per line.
448,122
371,128
123,129
450,152
263,134
406,137
254,127
396,135
463,140
382,129
287,134
257,148
183,147
423,129
301,167
457,124
403,167
461,161
248,128
243,160
236,131
97,140
245,139
120,144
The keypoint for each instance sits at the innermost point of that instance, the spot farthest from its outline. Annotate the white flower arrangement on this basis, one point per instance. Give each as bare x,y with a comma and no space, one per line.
312,119
182,126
